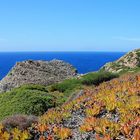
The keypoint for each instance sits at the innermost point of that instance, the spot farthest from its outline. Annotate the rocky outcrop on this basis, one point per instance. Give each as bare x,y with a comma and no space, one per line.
127,62
37,72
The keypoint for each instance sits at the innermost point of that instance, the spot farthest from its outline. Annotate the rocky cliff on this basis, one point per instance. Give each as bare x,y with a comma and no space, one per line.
127,62
37,72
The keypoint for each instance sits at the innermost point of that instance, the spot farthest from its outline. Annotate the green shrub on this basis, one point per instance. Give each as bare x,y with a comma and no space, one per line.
34,87
97,78
89,79
66,85
30,100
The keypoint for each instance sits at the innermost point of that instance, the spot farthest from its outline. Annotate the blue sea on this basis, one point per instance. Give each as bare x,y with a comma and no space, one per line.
83,61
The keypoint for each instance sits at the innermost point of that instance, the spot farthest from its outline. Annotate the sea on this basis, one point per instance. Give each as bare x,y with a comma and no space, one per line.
84,62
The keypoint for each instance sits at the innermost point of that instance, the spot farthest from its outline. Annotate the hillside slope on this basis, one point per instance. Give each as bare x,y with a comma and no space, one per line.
109,111
106,112
37,99
128,62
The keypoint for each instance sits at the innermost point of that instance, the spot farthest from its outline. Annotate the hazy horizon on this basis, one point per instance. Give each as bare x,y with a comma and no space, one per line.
62,51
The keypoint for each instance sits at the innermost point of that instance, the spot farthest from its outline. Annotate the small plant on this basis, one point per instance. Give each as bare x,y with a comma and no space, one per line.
62,133
88,125
93,111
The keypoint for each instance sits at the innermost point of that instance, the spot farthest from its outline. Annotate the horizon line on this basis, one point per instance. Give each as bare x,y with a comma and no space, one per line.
58,51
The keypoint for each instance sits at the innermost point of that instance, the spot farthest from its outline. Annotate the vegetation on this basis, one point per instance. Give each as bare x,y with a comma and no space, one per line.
130,70
76,83
66,86
21,122
37,99
31,99
112,113
97,78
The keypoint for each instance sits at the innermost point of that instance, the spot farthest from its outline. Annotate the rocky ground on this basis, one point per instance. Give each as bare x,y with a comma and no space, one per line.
37,72
127,62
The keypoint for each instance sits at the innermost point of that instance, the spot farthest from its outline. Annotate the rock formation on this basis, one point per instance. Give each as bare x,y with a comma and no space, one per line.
37,72
127,62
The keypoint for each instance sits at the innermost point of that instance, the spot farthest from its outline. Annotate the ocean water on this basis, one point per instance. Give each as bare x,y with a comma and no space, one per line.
83,61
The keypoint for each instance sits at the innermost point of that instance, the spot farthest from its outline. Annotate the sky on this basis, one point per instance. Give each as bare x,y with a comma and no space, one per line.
69,25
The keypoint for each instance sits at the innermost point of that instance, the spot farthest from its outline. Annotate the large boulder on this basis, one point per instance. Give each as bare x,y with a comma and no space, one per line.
37,72
129,61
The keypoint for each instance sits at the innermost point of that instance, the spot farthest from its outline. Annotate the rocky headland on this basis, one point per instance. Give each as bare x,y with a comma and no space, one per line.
129,61
37,72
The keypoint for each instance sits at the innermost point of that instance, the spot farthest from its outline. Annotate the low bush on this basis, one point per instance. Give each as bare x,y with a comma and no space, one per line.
21,122
89,79
34,87
66,85
97,77
28,100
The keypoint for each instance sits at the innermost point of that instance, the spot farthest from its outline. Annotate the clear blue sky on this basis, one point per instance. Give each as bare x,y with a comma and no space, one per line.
69,25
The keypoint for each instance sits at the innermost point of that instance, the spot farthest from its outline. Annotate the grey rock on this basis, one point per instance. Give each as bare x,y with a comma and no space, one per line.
129,61
37,72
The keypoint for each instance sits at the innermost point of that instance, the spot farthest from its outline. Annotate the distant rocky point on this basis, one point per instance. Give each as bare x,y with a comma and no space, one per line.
37,72
127,62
